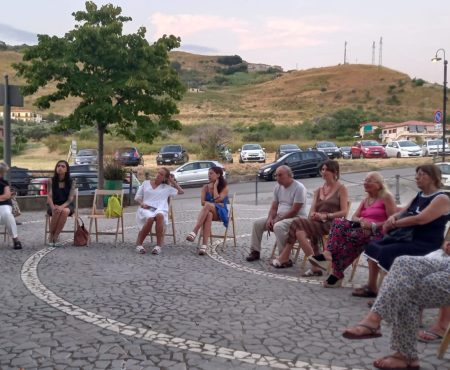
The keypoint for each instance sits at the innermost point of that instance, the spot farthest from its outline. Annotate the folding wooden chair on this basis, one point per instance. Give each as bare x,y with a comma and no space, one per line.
48,220
172,224
5,234
231,223
97,213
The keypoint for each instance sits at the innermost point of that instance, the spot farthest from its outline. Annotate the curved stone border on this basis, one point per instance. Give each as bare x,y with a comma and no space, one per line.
31,280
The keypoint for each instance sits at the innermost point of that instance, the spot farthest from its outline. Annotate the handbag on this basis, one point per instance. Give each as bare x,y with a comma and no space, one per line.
15,207
81,235
405,234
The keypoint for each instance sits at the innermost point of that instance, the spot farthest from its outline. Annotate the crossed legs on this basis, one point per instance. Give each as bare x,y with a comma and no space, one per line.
205,217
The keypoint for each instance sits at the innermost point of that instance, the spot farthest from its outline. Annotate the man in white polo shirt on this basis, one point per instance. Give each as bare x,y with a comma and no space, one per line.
289,201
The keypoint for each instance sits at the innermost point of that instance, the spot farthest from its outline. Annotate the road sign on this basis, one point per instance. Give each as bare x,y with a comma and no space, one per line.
15,99
438,116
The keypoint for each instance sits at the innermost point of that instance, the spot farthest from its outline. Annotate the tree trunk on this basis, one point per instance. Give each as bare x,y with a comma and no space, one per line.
101,133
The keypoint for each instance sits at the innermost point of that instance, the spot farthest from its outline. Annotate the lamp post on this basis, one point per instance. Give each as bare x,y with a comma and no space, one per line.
444,112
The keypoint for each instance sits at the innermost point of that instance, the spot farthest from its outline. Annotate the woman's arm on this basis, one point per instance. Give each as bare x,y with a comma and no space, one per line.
6,193
312,211
203,195
220,197
438,207
357,215
50,193
69,200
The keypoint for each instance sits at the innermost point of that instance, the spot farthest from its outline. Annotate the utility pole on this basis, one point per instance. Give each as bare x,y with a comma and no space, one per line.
345,52
380,53
373,53
7,125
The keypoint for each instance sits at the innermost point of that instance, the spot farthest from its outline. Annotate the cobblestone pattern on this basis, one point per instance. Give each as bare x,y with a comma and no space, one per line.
108,307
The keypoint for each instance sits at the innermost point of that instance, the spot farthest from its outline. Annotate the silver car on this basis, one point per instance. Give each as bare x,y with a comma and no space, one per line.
195,172
87,156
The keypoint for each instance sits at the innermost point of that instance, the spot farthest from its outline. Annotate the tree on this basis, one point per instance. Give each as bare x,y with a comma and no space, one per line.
124,84
210,139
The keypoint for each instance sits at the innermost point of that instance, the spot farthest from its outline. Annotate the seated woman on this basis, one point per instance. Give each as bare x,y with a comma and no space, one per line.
153,198
61,191
413,283
330,201
214,199
422,224
347,238
6,216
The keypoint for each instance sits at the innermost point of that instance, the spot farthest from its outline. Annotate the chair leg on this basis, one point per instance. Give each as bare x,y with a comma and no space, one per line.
354,267
90,228
273,250
234,231
225,237
123,230
96,230
444,344
173,232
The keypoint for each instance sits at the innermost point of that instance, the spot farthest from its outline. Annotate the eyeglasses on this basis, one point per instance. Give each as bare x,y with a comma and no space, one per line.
370,182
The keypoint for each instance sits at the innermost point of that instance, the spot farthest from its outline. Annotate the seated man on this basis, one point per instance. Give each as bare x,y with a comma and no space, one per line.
289,199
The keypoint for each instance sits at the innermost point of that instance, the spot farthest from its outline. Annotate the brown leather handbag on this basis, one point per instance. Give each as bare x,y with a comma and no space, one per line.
81,235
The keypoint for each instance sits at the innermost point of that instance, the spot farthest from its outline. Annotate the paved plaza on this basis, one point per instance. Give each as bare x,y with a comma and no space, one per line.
107,307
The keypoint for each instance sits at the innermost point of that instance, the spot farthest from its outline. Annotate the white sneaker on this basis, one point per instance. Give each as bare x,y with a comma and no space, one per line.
202,250
156,250
140,249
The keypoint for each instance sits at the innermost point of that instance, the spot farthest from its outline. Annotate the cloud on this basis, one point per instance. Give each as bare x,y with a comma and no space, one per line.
263,34
15,36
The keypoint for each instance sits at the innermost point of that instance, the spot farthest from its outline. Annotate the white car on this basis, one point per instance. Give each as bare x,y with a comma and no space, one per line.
195,172
252,153
445,171
403,149
433,147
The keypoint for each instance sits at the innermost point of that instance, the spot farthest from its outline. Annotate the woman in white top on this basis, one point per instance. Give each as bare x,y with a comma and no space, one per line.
153,197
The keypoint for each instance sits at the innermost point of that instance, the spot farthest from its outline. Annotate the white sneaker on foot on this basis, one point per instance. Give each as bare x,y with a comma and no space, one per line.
140,249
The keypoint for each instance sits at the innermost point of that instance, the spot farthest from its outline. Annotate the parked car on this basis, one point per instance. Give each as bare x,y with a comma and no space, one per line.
433,147
367,149
302,164
285,149
172,154
252,153
86,183
445,173
129,156
329,148
195,172
346,152
87,156
403,148
19,178
225,153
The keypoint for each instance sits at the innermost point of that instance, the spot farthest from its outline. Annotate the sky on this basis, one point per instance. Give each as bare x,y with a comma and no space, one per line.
295,34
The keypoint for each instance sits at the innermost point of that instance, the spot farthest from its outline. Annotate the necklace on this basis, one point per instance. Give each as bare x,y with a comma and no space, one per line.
370,201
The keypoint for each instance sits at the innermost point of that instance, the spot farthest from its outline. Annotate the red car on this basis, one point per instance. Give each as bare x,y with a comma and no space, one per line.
368,149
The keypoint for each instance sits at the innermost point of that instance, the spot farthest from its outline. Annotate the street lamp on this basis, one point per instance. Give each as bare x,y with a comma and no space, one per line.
444,113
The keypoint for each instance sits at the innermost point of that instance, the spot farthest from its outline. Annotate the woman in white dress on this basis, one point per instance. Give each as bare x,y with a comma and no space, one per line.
153,196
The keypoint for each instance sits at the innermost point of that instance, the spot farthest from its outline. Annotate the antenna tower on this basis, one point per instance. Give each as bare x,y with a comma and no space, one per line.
345,52
373,53
380,53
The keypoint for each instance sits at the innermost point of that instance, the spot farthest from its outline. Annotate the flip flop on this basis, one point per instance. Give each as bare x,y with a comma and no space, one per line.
311,273
373,333
191,236
364,292
435,337
377,364
279,265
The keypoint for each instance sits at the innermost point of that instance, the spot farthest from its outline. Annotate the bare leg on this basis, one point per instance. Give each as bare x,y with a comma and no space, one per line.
60,222
305,244
439,326
159,219
202,217
373,276
144,231
285,253
207,228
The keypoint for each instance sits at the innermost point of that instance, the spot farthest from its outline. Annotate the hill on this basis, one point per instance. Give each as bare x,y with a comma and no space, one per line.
289,97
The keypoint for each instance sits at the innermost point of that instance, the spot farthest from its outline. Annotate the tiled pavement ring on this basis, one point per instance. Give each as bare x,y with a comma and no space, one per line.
121,310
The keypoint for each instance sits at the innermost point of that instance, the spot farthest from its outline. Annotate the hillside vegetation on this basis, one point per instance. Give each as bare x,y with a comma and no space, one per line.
282,98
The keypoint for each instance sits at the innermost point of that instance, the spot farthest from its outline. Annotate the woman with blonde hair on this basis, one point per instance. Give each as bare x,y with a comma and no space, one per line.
347,238
6,216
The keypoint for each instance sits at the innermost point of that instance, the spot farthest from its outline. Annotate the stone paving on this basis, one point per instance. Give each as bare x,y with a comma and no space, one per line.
106,307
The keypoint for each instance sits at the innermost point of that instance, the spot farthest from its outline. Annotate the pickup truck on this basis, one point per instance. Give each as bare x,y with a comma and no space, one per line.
367,149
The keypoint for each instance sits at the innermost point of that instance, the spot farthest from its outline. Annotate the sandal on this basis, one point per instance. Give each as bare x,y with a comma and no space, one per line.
140,249
433,337
364,292
310,273
202,250
156,250
407,362
276,263
332,282
191,236
373,333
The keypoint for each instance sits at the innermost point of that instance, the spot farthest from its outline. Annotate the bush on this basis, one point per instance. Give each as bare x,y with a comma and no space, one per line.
229,60
417,82
253,136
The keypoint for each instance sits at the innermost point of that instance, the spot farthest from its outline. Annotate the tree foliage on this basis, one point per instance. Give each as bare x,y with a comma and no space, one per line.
119,78
229,60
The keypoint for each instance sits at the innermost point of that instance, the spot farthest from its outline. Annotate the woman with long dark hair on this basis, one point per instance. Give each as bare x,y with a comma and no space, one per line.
61,191
214,199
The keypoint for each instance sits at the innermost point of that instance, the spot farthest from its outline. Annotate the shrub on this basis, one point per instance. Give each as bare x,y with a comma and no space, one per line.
417,82
229,60
113,170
